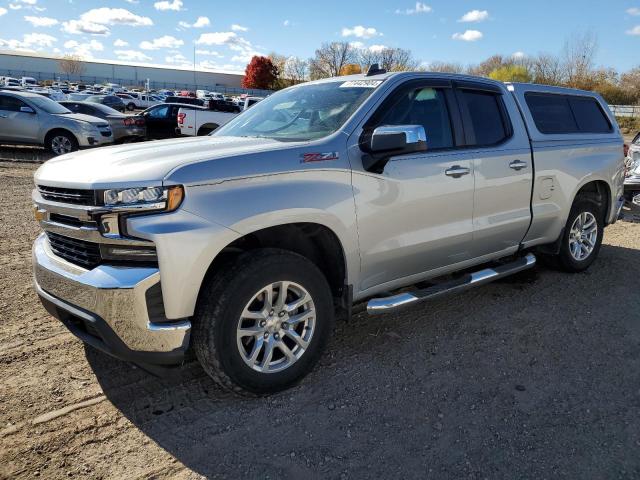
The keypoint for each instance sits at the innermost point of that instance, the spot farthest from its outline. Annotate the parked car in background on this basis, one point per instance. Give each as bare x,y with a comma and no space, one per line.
28,82
11,82
29,118
250,101
201,121
632,173
185,100
223,106
108,100
125,128
186,93
161,120
135,100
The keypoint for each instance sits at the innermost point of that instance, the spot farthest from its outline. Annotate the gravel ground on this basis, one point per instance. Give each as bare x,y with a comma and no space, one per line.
534,377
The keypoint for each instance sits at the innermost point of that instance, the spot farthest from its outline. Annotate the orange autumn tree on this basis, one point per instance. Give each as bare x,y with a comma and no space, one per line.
260,73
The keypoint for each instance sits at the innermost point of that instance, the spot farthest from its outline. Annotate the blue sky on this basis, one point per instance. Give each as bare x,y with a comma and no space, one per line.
225,34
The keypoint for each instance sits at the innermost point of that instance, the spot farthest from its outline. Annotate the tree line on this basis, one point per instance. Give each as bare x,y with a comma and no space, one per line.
573,67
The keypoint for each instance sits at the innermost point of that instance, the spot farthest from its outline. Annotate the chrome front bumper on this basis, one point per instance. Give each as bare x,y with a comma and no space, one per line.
113,299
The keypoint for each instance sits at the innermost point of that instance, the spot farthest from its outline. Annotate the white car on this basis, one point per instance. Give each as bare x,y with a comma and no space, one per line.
28,82
199,122
10,82
133,100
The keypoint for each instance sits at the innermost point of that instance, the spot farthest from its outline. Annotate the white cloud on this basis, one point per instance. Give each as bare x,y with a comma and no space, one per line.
238,28
175,5
2,11
468,36
199,23
286,23
474,16
133,2
419,8
518,55
131,56
231,39
26,4
211,53
178,59
41,21
95,21
120,43
216,38
84,50
166,41
115,16
357,44
30,42
634,31
77,27
377,48
360,32
634,11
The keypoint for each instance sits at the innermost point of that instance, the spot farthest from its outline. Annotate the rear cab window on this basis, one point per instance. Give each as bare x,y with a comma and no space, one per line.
567,114
485,117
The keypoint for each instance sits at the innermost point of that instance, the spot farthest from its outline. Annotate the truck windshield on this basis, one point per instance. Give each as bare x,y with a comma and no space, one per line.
301,113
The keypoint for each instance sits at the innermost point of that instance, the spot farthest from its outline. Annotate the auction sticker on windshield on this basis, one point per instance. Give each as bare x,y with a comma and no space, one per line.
361,84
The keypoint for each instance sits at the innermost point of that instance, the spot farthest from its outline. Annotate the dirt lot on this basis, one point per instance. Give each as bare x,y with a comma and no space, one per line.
535,377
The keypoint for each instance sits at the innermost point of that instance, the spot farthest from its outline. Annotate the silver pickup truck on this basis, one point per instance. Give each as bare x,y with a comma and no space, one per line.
246,244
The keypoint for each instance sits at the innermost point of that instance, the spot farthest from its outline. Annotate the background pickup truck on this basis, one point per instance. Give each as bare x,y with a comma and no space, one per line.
193,122
245,244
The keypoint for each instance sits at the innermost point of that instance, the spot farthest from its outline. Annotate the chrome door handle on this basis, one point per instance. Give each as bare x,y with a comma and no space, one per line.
456,171
518,165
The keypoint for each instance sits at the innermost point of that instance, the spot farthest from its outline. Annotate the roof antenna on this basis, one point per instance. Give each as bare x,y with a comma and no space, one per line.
374,69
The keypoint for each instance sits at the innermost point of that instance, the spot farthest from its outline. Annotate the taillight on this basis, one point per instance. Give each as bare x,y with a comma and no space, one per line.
140,122
181,118
128,122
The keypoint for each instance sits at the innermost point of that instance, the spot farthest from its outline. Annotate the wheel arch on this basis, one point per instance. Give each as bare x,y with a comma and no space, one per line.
597,189
50,133
207,126
314,241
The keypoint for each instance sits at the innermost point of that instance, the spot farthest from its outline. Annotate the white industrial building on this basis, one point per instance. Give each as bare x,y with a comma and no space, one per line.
47,67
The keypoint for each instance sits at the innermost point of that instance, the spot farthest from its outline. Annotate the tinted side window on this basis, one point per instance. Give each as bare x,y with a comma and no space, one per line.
485,113
11,104
161,112
426,107
589,116
551,113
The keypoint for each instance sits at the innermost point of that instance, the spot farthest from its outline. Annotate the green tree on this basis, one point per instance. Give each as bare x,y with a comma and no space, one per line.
511,73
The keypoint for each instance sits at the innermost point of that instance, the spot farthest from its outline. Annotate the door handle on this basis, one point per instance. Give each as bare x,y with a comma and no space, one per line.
518,165
456,171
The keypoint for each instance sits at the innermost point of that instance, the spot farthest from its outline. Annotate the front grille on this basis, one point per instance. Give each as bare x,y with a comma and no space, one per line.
105,133
78,252
68,195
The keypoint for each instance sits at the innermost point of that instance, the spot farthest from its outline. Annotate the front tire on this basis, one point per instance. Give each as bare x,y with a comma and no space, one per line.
263,321
60,143
582,236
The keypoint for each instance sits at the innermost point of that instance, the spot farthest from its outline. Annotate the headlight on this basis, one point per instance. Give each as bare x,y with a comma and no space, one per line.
144,198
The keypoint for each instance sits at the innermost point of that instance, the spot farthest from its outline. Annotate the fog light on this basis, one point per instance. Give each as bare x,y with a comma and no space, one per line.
131,253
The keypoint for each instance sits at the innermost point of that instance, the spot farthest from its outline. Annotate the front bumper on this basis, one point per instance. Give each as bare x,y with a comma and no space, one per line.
109,308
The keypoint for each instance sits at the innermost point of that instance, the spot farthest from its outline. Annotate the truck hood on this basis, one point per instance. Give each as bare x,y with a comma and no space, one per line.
143,164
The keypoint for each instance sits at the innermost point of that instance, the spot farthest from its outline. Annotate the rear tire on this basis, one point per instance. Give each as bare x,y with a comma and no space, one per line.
252,341
131,107
582,236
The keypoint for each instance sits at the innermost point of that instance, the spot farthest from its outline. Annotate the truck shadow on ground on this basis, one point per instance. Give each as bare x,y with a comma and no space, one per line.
511,379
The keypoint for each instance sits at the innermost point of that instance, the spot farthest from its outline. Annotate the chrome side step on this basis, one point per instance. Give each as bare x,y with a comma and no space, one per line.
376,306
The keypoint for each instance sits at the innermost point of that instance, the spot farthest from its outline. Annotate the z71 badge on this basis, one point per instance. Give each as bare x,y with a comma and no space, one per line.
319,157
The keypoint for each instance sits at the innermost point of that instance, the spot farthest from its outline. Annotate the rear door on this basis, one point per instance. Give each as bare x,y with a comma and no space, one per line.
498,145
157,120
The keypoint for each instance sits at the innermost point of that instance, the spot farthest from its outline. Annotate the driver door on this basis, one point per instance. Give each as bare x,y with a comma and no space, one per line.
417,215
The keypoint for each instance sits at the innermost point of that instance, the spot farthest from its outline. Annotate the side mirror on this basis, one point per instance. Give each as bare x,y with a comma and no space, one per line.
27,110
388,141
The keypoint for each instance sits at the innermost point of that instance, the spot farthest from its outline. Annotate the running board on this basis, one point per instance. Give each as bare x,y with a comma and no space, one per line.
376,306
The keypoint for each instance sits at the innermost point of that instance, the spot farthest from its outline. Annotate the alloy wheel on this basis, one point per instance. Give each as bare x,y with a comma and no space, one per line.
583,236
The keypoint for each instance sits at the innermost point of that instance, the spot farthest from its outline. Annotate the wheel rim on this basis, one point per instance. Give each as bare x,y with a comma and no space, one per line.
61,145
276,327
583,236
